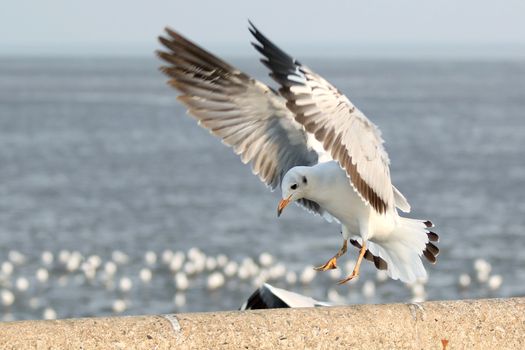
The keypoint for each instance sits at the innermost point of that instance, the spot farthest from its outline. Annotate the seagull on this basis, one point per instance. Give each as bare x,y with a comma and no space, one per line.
309,139
270,297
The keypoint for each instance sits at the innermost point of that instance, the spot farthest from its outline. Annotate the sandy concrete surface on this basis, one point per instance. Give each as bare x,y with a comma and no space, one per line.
469,324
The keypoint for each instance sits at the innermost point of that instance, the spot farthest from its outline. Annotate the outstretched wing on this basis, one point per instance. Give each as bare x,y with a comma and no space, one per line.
344,131
246,114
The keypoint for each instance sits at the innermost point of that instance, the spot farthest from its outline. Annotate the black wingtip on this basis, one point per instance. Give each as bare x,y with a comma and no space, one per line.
278,60
260,37
263,298
252,28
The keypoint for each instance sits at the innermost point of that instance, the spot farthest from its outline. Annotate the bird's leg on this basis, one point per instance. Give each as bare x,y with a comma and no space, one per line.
355,273
332,263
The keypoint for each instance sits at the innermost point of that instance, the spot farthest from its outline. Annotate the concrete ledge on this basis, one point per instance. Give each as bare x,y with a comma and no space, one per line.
470,324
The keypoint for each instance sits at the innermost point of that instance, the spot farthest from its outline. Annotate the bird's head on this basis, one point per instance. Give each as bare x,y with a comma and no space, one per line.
294,186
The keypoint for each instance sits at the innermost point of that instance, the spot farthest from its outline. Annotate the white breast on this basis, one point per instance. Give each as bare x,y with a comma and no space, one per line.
332,190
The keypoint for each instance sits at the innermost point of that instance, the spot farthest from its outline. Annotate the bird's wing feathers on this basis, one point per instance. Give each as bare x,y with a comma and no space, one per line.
401,201
344,131
270,297
246,114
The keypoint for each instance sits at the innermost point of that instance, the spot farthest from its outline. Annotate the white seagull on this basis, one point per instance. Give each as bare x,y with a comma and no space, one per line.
310,140
270,297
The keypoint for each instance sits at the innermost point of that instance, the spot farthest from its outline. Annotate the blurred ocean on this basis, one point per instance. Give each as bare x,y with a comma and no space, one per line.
97,158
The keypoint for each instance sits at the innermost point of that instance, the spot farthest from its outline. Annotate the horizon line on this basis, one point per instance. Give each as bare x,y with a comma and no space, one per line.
348,50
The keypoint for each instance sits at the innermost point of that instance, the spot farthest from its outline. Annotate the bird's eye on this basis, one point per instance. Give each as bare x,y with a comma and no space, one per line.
293,187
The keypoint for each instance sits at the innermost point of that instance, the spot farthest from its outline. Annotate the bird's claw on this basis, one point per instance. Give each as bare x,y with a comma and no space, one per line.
330,265
349,278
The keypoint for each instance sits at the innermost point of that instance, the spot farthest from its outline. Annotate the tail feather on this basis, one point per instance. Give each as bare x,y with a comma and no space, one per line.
432,236
403,248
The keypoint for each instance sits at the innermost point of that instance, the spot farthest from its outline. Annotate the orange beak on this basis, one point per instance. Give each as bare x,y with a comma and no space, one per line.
282,204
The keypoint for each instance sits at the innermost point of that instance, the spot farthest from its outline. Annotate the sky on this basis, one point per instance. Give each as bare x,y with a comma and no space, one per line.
353,28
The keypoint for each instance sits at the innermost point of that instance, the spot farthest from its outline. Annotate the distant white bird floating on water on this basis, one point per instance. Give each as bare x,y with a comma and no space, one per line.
310,140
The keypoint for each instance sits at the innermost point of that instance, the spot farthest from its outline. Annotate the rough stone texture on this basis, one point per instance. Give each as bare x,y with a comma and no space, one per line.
470,324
